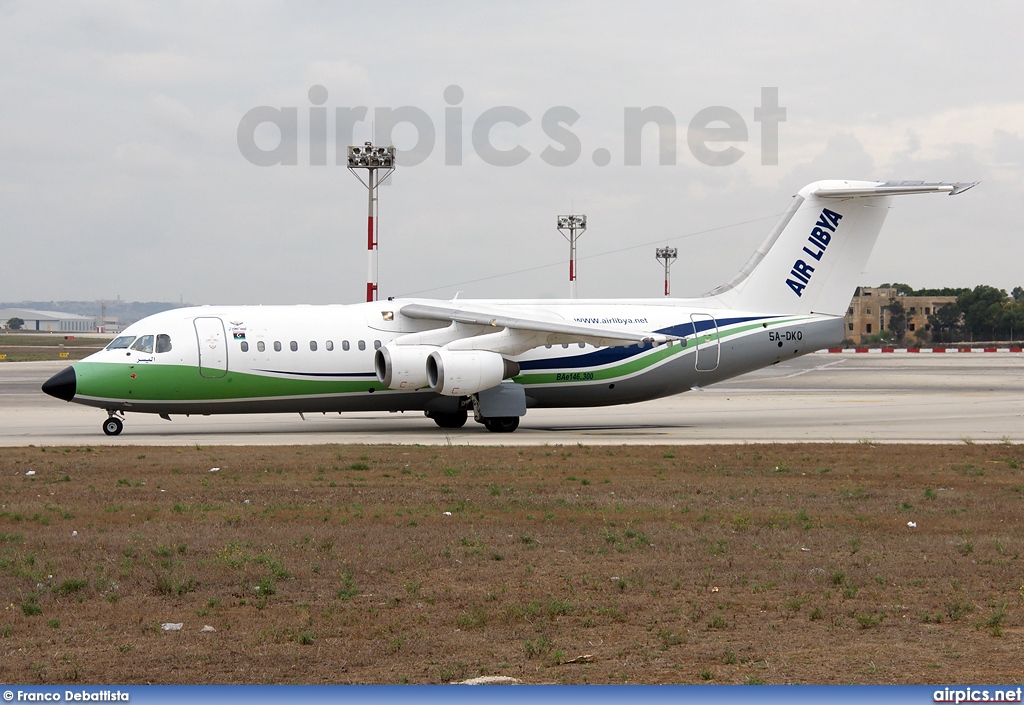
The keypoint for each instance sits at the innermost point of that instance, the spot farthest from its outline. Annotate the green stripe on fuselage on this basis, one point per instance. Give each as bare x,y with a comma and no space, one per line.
165,382
153,381
642,360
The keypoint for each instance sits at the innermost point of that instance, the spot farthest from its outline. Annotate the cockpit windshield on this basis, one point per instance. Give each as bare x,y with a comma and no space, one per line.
120,343
144,344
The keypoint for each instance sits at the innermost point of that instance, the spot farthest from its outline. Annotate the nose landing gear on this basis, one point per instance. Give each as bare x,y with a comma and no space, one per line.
113,425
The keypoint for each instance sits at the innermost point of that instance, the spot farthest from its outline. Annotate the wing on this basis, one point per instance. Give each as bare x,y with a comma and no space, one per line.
512,332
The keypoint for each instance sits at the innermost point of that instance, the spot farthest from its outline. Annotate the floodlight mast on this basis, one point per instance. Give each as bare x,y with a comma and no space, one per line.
666,255
372,159
571,227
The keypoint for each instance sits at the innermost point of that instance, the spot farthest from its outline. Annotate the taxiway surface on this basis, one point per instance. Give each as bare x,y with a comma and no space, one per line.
907,398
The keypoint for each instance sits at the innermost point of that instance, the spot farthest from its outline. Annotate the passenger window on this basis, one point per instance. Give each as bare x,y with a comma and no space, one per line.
121,343
344,345
376,345
565,345
163,343
260,346
294,346
583,345
362,345
277,346
312,345
144,344
245,346
330,345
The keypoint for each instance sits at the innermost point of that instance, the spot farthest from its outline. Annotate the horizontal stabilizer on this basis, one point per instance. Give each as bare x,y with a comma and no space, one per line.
893,188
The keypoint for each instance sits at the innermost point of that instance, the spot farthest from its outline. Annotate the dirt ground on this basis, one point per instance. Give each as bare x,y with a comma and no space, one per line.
820,563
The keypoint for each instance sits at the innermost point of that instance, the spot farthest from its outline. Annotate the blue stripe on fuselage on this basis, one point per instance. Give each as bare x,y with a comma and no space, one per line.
608,356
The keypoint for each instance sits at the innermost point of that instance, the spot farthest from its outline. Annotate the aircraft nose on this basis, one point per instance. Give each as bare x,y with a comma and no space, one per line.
62,385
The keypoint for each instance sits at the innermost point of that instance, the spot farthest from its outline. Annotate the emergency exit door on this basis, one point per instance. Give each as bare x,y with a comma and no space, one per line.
705,333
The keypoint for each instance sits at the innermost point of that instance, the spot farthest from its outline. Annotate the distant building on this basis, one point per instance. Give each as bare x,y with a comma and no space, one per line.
50,321
868,313
110,325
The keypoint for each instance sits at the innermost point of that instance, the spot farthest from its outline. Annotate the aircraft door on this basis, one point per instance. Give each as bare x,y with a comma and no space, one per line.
213,348
705,333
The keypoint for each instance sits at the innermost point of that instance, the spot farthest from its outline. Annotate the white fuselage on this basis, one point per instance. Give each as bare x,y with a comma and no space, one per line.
321,358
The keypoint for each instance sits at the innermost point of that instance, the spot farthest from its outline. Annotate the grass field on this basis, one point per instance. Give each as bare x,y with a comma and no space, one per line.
27,347
394,564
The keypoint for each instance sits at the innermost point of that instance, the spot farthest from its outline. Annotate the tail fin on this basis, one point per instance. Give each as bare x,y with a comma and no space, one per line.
811,261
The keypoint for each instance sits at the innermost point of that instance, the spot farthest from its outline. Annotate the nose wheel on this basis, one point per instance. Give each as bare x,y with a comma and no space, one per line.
113,426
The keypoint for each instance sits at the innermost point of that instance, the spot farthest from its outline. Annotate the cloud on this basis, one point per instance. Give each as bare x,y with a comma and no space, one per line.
843,157
148,160
151,68
341,78
126,115
895,146
1007,149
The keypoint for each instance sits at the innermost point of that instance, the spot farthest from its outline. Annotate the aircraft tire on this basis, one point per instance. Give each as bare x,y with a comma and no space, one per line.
113,426
502,424
456,419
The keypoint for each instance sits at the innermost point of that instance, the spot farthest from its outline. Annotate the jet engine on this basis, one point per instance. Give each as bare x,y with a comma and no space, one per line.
402,366
457,373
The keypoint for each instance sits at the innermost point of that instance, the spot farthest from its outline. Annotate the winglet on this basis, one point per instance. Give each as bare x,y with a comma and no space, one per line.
961,187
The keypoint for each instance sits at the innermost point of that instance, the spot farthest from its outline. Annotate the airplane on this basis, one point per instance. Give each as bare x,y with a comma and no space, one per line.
498,358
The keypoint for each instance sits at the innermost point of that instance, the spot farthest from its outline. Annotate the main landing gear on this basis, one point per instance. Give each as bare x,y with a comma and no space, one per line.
457,419
454,419
498,409
113,425
502,424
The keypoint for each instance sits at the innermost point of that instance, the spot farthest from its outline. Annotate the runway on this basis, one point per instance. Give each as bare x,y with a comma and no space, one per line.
904,398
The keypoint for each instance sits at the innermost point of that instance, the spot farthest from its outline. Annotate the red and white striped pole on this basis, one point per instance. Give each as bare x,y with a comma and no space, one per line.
571,227
666,255
572,268
371,240
371,158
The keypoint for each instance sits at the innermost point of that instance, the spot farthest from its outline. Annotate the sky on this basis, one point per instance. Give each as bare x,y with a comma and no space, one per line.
127,170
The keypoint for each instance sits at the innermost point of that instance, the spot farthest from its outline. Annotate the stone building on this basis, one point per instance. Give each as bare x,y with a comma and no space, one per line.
868,313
